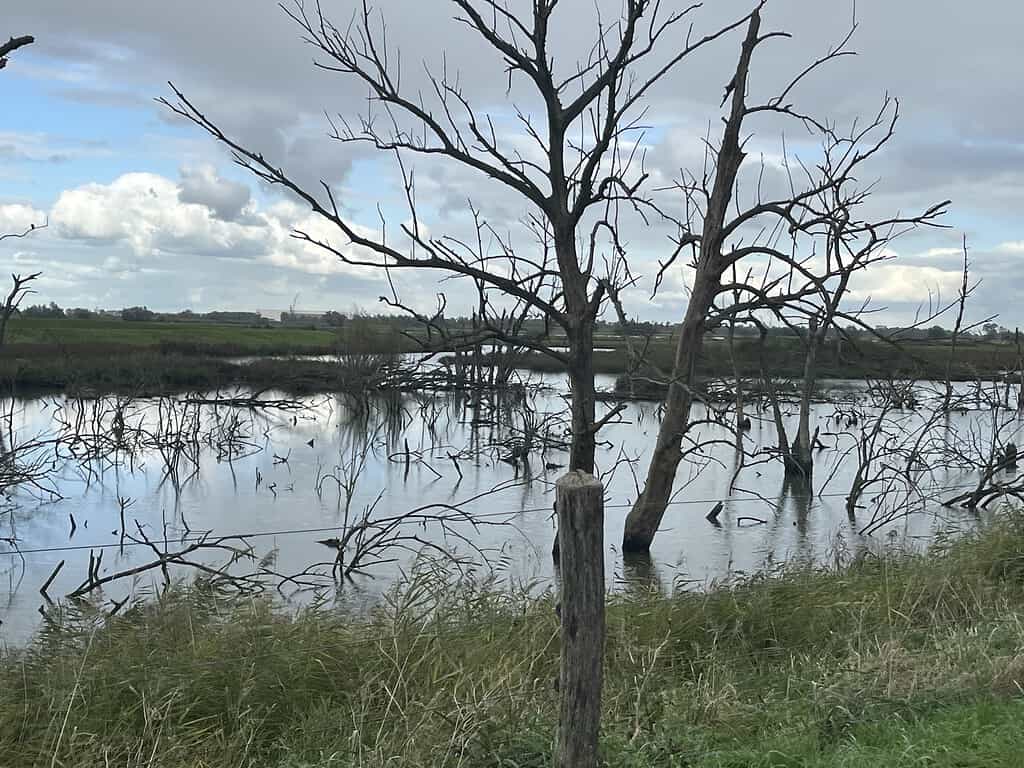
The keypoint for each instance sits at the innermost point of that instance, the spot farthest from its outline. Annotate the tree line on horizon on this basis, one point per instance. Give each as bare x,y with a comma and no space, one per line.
333,319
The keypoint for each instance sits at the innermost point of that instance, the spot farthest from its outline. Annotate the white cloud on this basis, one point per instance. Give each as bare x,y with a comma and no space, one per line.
903,283
16,218
150,214
932,253
143,210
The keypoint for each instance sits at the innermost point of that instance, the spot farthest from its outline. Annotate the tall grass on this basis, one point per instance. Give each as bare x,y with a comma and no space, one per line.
36,337
898,661
786,359
150,373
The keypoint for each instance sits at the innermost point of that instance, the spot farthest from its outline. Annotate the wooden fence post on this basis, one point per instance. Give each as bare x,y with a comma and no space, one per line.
580,501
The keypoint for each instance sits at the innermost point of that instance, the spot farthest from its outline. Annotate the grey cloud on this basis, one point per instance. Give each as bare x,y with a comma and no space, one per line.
227,199
953,65
238,53
43,147
101,97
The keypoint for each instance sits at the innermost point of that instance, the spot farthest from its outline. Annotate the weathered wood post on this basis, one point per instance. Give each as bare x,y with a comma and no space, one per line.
580,502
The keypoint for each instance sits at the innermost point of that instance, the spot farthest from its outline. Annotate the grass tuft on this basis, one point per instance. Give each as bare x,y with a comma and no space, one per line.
906,660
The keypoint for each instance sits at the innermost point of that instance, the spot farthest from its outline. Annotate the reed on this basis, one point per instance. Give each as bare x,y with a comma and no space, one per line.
916,659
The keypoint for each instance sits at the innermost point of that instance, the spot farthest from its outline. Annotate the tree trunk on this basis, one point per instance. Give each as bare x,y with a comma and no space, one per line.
646,514
581,384
742,424
580,332
799,463
771,393
1020,373
649,509
962,302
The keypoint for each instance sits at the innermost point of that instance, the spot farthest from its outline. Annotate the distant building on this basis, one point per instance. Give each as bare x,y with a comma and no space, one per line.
304,319
239,318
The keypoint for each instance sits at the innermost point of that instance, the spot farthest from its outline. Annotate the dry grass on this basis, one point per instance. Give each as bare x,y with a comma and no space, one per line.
912,660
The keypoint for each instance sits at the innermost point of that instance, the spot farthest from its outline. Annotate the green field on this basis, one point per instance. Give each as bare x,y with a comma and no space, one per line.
896,661
149,358
785,358
37,336
152,357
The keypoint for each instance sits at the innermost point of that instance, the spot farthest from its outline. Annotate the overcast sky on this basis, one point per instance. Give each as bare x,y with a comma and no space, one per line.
143,209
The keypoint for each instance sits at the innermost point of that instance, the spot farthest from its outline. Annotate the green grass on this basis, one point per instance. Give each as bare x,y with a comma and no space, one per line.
50,353
785,356
147,358
141,373
901,661
32,335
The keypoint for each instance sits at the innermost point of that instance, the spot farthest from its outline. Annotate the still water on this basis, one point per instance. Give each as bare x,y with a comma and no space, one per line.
279,477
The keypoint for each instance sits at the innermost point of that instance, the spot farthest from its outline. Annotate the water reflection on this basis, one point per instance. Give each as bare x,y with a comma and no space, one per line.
291,478
641,576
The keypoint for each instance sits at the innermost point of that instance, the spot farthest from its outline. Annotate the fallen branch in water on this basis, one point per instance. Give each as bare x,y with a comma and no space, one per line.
164,559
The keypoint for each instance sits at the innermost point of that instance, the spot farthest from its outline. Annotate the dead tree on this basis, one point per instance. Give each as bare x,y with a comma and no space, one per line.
589,172
987,451
1020,371
235,548
20,288
810,239
487,351
896,452
958,329
21,462
12,45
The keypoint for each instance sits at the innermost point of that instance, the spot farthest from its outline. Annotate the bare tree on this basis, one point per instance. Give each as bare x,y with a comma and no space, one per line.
12,45
896,445
589,170
986,449
808,244
20,287
958,328
22,462
19,290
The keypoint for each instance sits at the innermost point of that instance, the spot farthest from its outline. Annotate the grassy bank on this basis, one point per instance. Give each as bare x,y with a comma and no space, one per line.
785,359
147,373
114,355
40,337
906,661
46,355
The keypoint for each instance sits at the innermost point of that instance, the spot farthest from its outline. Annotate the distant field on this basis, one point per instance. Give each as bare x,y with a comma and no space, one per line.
38,336
117,355
784,357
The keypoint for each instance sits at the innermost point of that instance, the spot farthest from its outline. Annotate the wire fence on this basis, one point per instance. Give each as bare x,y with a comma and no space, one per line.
510,513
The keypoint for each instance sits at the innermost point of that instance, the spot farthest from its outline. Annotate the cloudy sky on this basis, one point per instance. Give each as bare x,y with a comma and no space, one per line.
143,209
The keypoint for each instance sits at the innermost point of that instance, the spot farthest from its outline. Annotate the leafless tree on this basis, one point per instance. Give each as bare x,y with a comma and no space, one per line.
589,171
986,449
20,288
896,443
20,283
12,45
958,327
23,462
810,242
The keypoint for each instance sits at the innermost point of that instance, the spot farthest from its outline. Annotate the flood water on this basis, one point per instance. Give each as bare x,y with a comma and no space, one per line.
277,476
